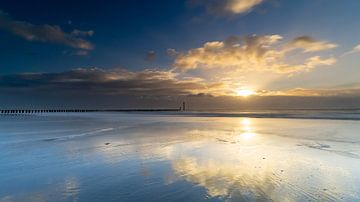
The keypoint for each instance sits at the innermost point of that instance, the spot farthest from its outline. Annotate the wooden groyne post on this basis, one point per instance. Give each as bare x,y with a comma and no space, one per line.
37,111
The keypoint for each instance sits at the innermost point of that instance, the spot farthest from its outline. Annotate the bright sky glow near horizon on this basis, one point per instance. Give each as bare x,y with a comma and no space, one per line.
169,49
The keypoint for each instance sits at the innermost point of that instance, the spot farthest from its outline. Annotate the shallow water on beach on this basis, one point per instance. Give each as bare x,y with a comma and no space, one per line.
168,157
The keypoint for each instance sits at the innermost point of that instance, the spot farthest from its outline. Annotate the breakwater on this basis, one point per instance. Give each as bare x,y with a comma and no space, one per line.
37,111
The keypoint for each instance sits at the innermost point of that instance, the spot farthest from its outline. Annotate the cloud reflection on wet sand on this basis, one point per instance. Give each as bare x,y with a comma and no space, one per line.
238,162
227,158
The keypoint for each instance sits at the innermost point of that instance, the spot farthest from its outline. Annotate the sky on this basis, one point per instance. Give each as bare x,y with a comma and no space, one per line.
212,53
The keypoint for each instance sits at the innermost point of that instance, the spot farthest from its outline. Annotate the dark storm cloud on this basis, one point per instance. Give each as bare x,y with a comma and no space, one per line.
100,82
45,33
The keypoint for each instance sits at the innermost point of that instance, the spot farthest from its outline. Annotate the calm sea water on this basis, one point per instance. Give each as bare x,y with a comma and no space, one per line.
297,156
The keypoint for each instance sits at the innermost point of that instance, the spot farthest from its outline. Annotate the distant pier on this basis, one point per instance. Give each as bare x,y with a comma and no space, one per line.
39,111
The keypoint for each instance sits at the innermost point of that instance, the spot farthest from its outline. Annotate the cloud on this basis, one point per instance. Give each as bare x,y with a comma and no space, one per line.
150,56
247,54
77,32
149,82
349,89
46,33
171,52
76,52
95,87
305,92
308,44
316,61
308,65
356,49
81,52
241,6
226,7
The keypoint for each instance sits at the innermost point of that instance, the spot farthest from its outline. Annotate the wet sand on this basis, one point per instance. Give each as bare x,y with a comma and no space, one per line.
157,157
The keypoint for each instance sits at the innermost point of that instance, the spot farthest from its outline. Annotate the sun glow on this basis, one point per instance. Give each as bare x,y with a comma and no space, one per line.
245,92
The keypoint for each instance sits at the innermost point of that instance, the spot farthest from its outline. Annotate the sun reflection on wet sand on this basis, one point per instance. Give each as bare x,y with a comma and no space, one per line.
247,135
228,158
236,162
246,131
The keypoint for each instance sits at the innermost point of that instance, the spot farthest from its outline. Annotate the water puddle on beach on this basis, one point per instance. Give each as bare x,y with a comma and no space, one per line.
155,157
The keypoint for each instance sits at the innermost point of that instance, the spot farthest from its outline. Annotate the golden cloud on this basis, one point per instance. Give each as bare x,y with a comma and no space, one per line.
252,53
241,6
327,92
226,7
308,44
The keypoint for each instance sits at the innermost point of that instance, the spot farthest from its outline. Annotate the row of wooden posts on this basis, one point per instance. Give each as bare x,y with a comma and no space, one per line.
37,111
32,111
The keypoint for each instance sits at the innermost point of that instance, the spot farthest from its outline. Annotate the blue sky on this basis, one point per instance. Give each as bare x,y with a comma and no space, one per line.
126,30
135,35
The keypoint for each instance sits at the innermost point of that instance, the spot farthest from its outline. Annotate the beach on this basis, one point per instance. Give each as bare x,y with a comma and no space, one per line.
179,157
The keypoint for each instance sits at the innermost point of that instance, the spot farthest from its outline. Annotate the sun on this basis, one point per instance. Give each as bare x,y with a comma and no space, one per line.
245,92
